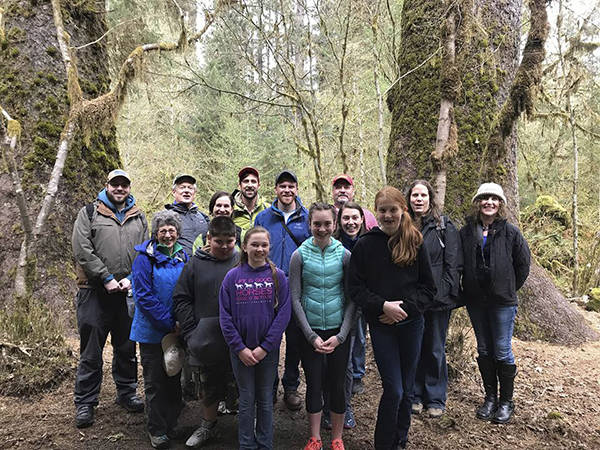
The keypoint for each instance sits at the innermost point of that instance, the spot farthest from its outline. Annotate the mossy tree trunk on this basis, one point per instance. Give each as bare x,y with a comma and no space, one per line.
487,54
33,90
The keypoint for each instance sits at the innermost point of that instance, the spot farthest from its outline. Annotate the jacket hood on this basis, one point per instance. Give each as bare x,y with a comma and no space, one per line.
201,254
129,202
148,248
180,207
376,231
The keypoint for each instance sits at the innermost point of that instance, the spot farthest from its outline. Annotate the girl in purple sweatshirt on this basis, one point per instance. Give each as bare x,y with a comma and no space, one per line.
255,309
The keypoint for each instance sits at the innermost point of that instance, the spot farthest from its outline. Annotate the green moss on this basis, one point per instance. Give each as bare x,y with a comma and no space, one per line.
14,52
547,205
554,415
48,128
51,50
51,102
593,303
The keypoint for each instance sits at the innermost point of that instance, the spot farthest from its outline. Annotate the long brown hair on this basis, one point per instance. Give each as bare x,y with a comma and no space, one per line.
405,242
349,205
434,210
244,258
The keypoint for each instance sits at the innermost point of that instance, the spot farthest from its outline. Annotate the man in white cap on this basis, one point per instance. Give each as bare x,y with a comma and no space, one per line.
104,236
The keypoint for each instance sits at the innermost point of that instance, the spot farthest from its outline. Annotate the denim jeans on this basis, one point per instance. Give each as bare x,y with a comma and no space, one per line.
358,349
255,386
493,326
396,349
432,371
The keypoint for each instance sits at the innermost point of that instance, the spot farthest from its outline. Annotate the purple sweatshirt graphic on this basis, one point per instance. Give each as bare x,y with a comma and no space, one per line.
246,308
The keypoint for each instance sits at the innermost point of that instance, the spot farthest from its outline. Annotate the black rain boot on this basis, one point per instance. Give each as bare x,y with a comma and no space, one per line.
487,368
506,376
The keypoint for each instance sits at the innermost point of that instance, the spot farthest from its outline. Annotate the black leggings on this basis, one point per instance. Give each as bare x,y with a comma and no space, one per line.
325,372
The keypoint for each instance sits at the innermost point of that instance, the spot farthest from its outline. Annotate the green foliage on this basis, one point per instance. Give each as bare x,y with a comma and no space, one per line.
35,356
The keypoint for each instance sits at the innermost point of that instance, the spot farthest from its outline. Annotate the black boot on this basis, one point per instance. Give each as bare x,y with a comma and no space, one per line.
506,376
487,368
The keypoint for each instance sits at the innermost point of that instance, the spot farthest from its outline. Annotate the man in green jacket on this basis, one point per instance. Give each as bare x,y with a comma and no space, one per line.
104,236
247,202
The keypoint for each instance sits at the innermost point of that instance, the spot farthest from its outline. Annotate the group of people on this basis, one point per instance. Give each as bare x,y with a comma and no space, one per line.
226,287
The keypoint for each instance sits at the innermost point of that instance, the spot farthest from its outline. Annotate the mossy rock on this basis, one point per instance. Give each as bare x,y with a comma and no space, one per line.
548,206
593,303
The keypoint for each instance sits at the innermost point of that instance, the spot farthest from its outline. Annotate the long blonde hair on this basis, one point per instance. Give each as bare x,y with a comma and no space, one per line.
405,242
244,259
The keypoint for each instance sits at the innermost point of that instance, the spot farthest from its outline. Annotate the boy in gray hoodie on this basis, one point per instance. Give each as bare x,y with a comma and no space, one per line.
196,305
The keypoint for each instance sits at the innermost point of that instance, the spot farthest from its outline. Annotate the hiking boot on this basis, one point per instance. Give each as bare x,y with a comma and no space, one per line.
161,441
349,421
435,413
506,407
292,400
84,416
337,444
132,404
326,421
206,431
487,368
416,409
314,444
357,386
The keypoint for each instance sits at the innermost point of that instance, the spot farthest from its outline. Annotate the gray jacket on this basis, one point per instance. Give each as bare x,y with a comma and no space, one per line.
104,246
193,223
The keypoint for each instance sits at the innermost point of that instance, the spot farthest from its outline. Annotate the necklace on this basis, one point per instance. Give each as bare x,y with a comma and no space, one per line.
485,227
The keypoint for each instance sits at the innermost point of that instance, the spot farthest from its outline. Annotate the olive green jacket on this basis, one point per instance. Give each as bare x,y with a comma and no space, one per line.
104,247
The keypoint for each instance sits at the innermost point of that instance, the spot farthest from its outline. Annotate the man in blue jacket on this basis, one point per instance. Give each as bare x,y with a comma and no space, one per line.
287,222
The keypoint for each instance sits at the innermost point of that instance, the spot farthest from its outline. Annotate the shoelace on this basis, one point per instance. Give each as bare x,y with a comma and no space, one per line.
313,444
337,445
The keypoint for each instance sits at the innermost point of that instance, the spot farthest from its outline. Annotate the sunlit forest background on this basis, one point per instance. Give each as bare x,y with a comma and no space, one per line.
233,100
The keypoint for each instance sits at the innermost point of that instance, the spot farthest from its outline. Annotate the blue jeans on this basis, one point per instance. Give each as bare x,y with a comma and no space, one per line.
396,349
358,349
493,326
432,371
255,386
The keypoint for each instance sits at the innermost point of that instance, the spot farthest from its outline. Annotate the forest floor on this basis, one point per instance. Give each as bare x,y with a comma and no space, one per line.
557,406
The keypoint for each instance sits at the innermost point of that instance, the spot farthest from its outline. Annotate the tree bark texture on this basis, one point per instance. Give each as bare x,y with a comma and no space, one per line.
487,54
33,89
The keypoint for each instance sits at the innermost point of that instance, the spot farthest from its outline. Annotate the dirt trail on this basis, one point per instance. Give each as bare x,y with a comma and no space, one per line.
557,398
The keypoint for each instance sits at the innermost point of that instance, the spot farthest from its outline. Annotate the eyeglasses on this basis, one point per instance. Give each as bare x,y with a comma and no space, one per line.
170,231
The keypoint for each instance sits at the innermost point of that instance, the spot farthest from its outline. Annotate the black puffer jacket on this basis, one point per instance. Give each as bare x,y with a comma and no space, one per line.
373,278
443,247
493,274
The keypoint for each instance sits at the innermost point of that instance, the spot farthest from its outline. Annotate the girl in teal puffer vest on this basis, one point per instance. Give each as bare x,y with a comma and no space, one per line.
325,316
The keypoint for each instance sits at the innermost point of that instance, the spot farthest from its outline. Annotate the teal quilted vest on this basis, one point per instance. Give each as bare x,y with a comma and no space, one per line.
322,284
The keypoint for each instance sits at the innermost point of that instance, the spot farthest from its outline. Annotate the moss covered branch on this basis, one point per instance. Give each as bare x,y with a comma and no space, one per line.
523,89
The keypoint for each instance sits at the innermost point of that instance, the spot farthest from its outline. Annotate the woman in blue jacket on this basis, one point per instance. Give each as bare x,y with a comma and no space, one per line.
155,272
325,316
440,239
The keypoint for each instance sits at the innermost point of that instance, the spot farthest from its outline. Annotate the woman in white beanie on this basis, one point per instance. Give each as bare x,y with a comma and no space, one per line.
496,264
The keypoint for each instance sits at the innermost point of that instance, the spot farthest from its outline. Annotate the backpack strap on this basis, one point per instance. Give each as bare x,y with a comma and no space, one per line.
90,209
441,231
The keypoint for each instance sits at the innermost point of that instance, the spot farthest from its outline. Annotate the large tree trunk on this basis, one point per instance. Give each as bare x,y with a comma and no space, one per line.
487,51
33,90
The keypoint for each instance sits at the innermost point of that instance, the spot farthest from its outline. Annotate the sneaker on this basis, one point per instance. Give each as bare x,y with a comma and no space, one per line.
314,444
161,441
435,413
292,400
417,408
132,404
84,416
349,421
326,421
205,432
337,444
357,386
